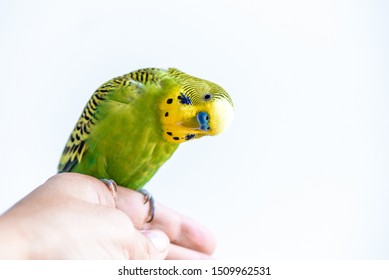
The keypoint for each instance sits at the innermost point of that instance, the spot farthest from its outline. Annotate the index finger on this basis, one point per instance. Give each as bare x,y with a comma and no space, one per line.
181,230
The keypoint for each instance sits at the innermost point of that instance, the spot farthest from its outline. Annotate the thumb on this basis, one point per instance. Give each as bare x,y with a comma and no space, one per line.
150,245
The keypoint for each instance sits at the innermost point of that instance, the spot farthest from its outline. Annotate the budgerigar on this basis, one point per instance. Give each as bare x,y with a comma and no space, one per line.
132,124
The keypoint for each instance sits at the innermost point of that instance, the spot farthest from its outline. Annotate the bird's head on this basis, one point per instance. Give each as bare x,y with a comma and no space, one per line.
194,108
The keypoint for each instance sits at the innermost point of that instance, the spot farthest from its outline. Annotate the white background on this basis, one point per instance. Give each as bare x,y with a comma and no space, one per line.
303,171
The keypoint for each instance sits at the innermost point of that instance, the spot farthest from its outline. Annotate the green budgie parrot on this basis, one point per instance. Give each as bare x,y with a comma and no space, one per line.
132,124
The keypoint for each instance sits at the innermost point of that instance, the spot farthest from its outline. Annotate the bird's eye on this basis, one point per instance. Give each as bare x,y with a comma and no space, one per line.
207,97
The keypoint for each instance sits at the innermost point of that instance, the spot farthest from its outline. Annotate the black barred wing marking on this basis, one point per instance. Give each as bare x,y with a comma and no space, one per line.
75,147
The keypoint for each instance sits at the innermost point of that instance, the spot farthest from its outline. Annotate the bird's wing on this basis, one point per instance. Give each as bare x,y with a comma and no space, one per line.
132,83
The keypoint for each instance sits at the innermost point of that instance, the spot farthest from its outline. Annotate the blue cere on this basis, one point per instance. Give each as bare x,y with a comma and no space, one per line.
203,119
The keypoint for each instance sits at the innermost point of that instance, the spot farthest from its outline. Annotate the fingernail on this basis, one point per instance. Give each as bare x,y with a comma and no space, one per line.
158,238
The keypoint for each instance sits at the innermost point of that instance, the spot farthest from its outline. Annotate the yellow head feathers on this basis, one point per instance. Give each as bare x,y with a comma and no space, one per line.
193,108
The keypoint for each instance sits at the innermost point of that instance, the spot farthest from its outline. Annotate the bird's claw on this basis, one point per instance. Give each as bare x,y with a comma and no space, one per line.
112,186
149,198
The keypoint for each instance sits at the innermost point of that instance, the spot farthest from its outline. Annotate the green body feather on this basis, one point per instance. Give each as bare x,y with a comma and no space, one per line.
123,132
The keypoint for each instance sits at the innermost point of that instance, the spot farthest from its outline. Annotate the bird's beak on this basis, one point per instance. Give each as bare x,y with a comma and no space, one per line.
198,124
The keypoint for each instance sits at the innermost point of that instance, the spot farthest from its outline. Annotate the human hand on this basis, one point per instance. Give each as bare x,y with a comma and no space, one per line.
73,216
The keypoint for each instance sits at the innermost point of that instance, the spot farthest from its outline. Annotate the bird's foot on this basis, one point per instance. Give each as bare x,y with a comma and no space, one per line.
112,186
150,199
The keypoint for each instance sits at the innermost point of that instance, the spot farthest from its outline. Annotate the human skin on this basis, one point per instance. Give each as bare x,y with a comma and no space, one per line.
74,216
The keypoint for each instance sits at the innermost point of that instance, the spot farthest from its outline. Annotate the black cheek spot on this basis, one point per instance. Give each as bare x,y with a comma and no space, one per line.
169,101
169,133
176,138
179,97
166,114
